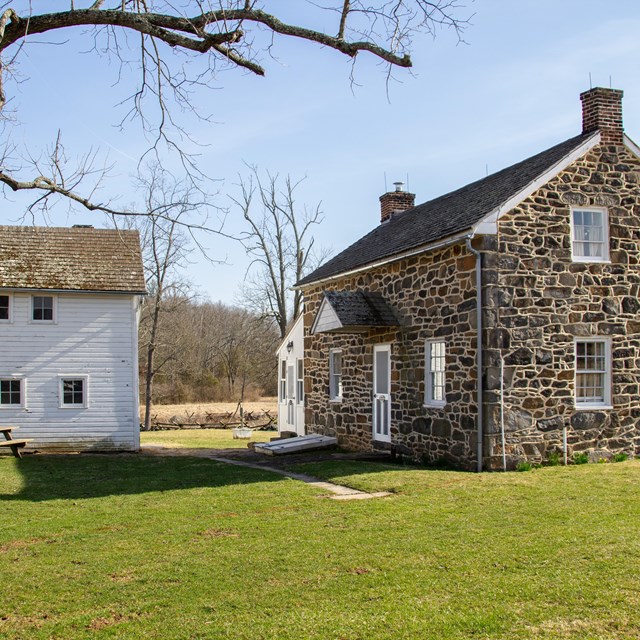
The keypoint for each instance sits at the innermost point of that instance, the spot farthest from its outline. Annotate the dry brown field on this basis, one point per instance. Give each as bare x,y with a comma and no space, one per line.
200,411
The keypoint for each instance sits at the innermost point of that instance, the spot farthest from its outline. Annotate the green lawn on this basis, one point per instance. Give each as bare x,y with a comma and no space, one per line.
146,547
202,438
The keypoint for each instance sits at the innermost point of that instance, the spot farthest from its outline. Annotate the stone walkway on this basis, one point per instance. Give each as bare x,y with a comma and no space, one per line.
337,491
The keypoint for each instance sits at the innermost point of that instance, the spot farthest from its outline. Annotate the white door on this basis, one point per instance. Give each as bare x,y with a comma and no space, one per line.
300,397
382,392
291,397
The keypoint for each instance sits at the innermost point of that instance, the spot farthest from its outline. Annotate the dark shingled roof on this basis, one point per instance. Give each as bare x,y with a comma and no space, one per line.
361,309
75,259
445,216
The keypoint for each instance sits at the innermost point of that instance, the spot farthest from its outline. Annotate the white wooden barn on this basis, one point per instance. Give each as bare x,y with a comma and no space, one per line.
69,309
291,379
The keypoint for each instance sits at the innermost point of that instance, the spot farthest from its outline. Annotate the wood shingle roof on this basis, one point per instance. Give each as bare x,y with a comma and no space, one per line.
71,259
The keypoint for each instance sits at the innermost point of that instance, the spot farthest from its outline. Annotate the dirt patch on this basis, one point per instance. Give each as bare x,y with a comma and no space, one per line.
22,544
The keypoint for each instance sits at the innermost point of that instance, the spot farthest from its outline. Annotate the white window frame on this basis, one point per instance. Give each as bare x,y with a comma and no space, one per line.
54,309
605,235
85,391
299,380
23,393
606,401
335,379
283,380
429,374
8,320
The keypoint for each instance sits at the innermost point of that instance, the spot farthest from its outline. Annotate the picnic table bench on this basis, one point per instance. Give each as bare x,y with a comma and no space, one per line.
9,441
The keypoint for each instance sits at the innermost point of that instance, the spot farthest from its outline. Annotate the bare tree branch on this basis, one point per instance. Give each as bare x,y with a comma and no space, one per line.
280,242
230,35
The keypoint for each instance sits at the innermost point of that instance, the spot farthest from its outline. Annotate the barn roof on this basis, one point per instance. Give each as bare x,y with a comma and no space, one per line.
71,259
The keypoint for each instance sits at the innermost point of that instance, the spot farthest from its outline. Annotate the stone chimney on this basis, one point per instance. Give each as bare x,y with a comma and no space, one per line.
395,201
602,111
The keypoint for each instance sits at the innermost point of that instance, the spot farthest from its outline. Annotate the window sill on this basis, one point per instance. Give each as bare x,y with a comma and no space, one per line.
592,407
335,400
590,260
433,405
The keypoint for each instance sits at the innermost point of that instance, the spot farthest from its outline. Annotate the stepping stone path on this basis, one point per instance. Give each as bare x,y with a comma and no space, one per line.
337,491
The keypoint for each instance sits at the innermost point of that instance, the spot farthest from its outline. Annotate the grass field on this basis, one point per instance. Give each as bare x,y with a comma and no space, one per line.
143,547
202,438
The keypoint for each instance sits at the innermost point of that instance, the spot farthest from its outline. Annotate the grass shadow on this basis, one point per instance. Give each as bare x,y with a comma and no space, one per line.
67,477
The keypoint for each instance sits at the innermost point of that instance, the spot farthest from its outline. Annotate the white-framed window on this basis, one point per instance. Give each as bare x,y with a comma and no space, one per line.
593,372
335,375
12,392
43,309
73,391
434,373
283,380
299,380
6,308
590,235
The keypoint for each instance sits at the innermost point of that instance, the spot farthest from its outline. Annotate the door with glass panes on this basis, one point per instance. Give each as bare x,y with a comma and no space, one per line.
382,393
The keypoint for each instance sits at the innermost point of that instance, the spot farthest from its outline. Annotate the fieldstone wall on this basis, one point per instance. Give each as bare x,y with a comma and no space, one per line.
435,296
538,300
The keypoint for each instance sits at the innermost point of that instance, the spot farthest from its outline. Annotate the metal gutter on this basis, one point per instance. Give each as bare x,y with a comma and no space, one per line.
479,351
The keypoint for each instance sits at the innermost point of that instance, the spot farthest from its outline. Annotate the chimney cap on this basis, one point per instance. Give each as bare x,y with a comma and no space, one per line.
399,186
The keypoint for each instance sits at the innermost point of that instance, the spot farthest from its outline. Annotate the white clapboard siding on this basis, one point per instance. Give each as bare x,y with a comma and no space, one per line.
291,421
94,335
326,319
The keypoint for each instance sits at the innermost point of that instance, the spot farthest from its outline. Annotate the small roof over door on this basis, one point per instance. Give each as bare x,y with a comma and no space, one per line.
353,312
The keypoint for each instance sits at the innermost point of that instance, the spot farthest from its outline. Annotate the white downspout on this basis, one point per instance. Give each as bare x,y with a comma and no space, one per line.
504,445
479,357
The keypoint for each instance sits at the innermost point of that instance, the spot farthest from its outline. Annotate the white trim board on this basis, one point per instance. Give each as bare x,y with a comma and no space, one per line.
488,225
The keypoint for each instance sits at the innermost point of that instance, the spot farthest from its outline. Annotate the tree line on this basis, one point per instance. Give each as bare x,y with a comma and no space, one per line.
207,352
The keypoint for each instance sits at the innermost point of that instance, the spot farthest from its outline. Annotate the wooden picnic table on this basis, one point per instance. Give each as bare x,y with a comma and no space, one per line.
9,441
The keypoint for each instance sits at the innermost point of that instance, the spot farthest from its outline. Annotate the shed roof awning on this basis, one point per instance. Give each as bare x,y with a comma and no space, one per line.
353,312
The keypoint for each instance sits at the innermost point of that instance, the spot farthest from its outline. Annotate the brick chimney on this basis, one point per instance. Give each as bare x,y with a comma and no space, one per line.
395,201
602,110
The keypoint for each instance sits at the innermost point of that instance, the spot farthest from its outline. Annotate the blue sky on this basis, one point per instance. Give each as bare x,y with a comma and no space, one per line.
512,90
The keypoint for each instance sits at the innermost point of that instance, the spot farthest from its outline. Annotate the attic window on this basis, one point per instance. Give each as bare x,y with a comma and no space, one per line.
590,235
42,308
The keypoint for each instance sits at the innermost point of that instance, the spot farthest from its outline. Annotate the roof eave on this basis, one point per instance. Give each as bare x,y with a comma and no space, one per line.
392,258
128,292
489,224
631,145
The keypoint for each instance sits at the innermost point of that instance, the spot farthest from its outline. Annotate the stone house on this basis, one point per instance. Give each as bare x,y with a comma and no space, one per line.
69,310
542,261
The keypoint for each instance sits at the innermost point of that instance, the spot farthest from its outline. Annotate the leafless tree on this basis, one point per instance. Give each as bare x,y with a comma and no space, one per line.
165,246
224,353
280,241
219,33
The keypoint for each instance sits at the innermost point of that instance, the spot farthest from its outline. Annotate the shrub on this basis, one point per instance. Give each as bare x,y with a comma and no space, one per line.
524,466
580,458
553,460
619,457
